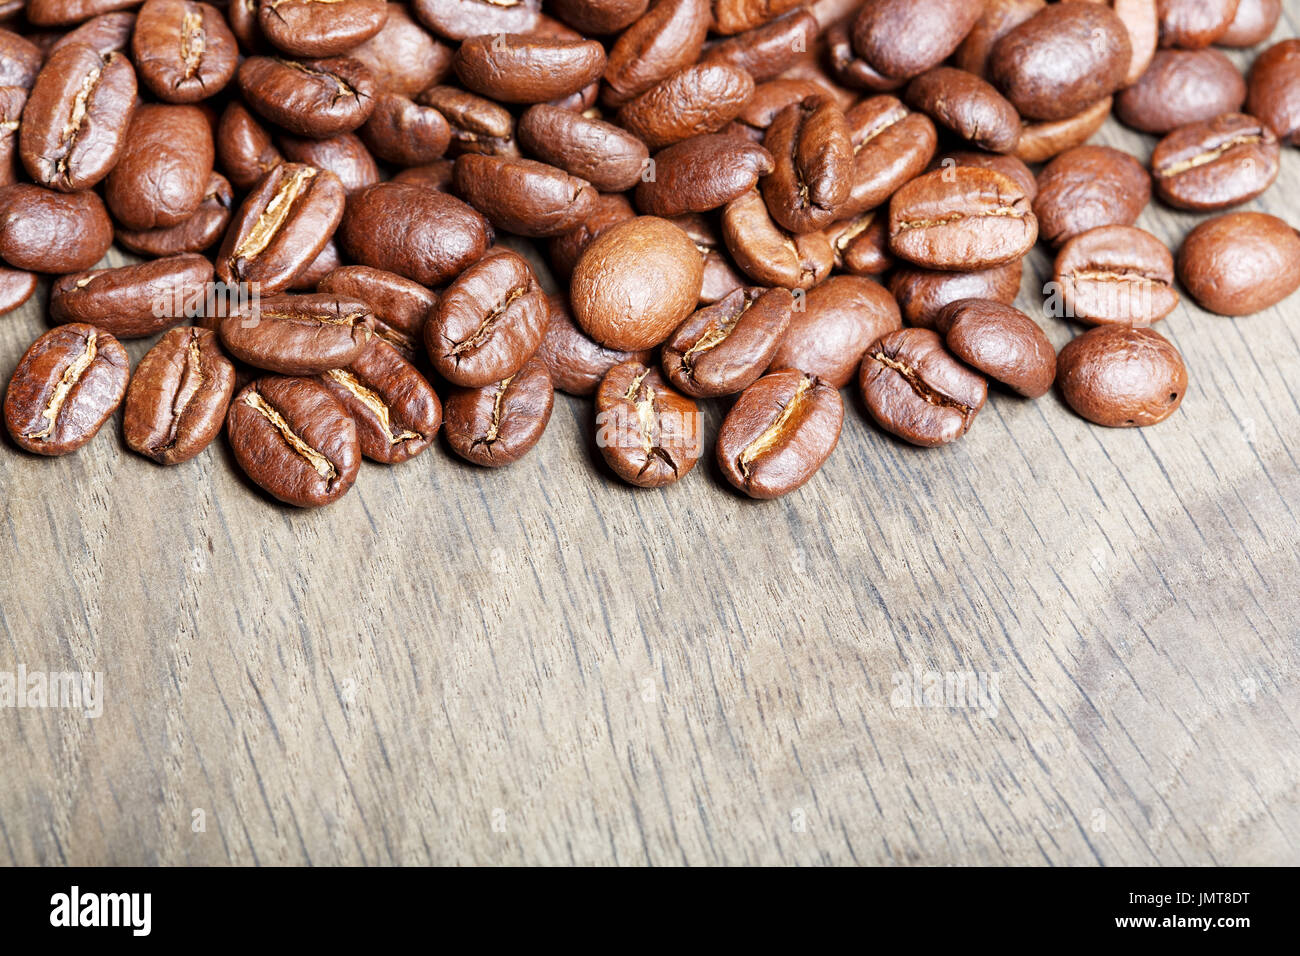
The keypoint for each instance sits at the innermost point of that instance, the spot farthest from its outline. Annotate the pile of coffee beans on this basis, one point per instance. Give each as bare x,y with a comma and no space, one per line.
749,201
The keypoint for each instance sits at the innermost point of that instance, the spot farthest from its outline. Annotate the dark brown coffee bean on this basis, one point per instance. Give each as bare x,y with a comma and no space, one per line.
999,18
922,294
967,105
400,306
295,440
46,231
720,276
298,334
343,155
435,175
164,170
1122,377
861,244
699,99
1254,23
61,13
1240,263
16,287
636,283
767,253
904,38
1087,187
964,219
498,424
849,69
477,125
403,132
1182,87
829,335
461,19
178,397
575,362
131,301
12,101
722,348
701,173
668,38
779,433
1114,275
397,413
891,146
914,388
326,261
199,232
402,56
183,50
76,118
526,68
769,99
648,434
765,51
523,196
565,249
309,28
316,98
814,165
1216,164
598,16
1193,24
106,33
20,60
244,149
736,16
1039,142
1001,342
606,156
1009,166
281,227
1275,90
66,386
1142,21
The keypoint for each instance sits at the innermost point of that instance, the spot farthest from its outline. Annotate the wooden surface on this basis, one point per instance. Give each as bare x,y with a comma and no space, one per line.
542,665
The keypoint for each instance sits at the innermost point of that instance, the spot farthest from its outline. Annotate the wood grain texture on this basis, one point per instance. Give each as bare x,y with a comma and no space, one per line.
542,665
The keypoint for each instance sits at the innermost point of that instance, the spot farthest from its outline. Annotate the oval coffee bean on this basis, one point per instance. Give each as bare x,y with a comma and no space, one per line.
1253,24
1122,377
915,389
1213,165
326,261
768,254
523,196
965,218
1039,142
699,99
106,33
1193,24
244,149
298,334
343,155
20,60
402,56
891,147
701,173
765,51
1181,87
606,16
16,287
648,434
316,98
1087,187
609,158
839,320
400,306
1240,263
163,173
861,244
46,231
736,16
62,13
12,101
575,362
477,125
397,413
132,301
922,293
309,28
1115,275
1275,90
999,18
814,165
668,38
183,50
527,68
779,433
178,397
723,348
967,105
295,440
904,38
403,132
769,99
1001,342
498,424
461,19
1009,166
199,232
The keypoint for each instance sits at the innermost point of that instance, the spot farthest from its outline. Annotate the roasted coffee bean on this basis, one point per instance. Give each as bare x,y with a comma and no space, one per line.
722,348
1001,342
400,306
62,13
1254,23
132,301
1114,275
20,61
701,173
242,16
1193,24
1039,142
914,388
326,261
523,196
999,18
814,165
183,50
575,362
435,175
1122,377
861,244
922,294
1009,166
12,101
1216,164
830,334
46,231
609,158
904,38
1142,21
498,424
891,146
343,155
965,219
720,276
76,118
163,173
416,232
1275,90
488,323
178,397
396,411
668,38
967,105
849,69
66,386
16,287
281,227
736,16
566,248
316,98
1087,187
767,253
769,99
635,283
1240,263
477,125
461,19
403,132
295,440
244,149
648,434
106,33
699,99
779,433
1182,87
765,51
402,57
309,28
598,16
527,68
199,232
298,334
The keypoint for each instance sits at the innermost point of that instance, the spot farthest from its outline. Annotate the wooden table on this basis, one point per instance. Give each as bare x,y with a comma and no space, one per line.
542,665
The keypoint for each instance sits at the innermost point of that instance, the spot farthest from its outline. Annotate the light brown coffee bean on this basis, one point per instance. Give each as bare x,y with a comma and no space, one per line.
1122,377
1001,342
1114,275
132,301
722,348
648,434
1240,263
767,253
915,389
839,319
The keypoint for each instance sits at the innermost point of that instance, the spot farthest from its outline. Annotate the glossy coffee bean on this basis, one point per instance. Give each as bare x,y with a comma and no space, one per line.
1001,342
1087,187
1122,377
1142,21
1039,142
523,196
65,387
178,397
598,16
16,287
106,33
968,106
326,261
12,101
699,99
701,173
769,99
183,50
861,244
964,218
767,253
891,146
397,413
1182,87
999,18
477,124
295,440
1254,23
165,166
527,68
914,388
315,98
666,39
131,301
608,157
461,19
922,293
648,434
1009,166
20,60
779,433
814,165
904,38
244,149
1193,24
722,348
1114,275
736,16
343,155
46,231
1216,164
435,175
497,424
308,28
829,335
1240,263
1275,90
402,131
765,51
576,362
402,56
298,334
199,232
400,307
721,278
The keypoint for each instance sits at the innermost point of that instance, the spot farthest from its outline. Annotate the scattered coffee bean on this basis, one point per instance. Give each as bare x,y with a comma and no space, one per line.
163,174
840,318
197,233
184,50
606,156
309,28
498,424
1115,275
1254,23
922,293
399,306
298,334
527,68
402,131
861,244
244,148
1275,90
132,301
891,146
46,231
523,196
1122,377
1087,187
1182,87
1193,24
316,98
344,155
814,165
669,37
701,173
1001,342
767,253
965,218
575,362
915,389
967,105
1039,142
722,348
1216,164
699,99
16,287
648,434
1240,263
904,38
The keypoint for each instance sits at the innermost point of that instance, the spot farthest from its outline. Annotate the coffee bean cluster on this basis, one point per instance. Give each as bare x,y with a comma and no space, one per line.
752,201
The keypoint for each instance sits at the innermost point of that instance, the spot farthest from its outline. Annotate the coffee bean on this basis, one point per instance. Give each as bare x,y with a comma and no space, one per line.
1087,187
720,276
183,50
105,33
667,38
1253,23
199,232
766,50
295,440
701,173
768,254
1142,22
861,244
402,57
598,16
308,28
636,283
1001,342
648,434
814,165
1182,87
575,362
891,146
1122,377
326,261
66,386
1240,263
163,173
76,118
523,196
1193,24
1275,90
1009,166
699,99
736,16
400,306
498,424
315,98
527,68
435,175
999,18
16,287
965,218
769,99
403,132
461,19
477,125
298,334
1039,142
904,38
20,61
12,101
243,147
922,293
967,105
566,248
1216,164
178,397
47,231
779,433
343,155
915,389
829,335
606,156
131,301
1115,275
723,348
849,69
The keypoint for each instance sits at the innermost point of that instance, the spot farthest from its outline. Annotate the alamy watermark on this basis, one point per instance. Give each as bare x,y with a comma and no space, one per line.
215,300
951,690
21,689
